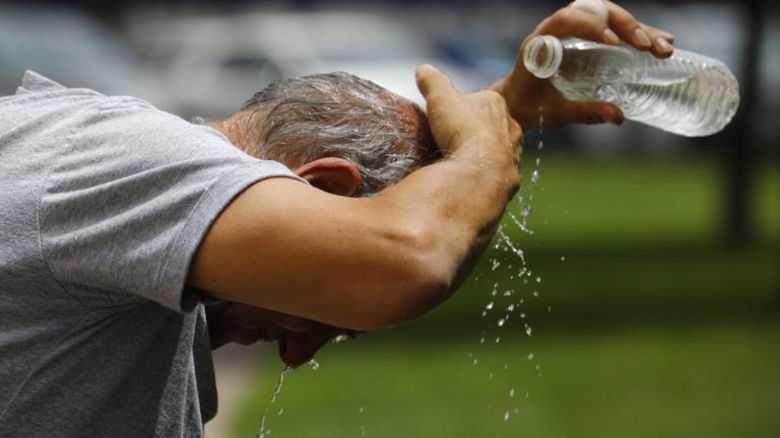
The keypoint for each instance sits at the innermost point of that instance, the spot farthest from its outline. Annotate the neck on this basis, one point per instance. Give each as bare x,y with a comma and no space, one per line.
228,127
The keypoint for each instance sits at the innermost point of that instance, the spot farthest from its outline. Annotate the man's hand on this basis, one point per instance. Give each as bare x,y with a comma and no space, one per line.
298,338
479,121
369,263
525,93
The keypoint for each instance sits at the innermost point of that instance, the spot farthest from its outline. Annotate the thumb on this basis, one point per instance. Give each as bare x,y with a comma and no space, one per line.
594,112
431,81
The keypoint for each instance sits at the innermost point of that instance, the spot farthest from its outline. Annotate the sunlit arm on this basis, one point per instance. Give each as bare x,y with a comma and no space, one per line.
369,263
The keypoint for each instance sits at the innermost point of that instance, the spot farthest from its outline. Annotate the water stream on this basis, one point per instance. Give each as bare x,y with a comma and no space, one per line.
509,254
263,432
505,244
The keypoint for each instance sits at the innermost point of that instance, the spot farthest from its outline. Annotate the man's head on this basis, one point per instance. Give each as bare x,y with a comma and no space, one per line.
344,134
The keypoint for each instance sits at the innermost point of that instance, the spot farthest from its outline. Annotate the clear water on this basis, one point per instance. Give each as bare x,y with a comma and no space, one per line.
688,94
264,431
507,297
505,244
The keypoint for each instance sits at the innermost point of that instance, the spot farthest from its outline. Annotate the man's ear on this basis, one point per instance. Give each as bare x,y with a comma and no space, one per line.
333,175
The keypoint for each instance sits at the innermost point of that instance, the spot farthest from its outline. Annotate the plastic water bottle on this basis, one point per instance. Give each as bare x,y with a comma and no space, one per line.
688,94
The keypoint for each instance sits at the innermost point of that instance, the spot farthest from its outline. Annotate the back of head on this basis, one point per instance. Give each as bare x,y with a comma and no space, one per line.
299,120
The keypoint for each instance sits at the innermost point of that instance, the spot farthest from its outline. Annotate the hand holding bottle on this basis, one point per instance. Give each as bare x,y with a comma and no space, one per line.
525,93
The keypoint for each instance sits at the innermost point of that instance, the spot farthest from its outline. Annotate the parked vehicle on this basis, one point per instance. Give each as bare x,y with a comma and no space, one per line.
212,64
73,49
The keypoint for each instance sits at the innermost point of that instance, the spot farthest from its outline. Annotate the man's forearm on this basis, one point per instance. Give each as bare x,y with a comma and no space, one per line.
460,201
370,263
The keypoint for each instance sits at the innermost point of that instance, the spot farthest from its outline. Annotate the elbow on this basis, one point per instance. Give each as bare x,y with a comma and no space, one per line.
419,279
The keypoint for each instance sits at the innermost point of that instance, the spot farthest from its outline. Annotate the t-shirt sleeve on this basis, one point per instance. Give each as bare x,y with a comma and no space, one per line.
130,198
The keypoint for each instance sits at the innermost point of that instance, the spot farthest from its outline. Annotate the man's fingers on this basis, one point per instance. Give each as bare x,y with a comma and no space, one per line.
596,7
639,35
656,32
627,27
594,113
662,42
575,22
296,349
432,82
516,137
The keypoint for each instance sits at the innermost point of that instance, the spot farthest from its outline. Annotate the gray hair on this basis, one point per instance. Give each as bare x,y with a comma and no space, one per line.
341,115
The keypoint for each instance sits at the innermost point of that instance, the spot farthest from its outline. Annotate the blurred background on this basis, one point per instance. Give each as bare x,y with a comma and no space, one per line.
652,308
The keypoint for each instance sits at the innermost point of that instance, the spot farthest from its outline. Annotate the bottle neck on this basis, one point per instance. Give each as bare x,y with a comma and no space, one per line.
542,56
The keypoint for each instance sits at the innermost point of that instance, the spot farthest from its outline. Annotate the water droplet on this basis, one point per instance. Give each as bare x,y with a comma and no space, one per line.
536,293
498,339
535,176
522,316
490,376
510,308
475,361
489,306
501,322
495,264
340,338
281,411
563,258
506,416
530,356
538,279
528,330
361,410
512,393
314,364
482,340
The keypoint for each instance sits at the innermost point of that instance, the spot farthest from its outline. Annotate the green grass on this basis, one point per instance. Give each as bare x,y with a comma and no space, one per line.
639,203
675,381
639,240
650,327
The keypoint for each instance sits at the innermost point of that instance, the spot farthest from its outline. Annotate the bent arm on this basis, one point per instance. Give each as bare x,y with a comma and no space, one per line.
357,263
366,263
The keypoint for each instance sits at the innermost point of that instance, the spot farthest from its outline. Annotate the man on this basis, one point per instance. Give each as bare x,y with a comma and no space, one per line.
119,222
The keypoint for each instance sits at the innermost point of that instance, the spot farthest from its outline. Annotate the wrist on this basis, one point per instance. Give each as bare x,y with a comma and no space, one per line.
488,157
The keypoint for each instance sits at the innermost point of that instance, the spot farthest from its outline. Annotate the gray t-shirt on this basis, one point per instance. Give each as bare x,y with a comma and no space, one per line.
103,203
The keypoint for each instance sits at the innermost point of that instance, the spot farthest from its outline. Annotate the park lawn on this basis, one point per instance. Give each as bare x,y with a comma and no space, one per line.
622,240
639,203
648,327
680,380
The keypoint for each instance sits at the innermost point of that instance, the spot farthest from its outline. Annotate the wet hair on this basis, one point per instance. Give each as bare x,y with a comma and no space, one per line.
299,120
